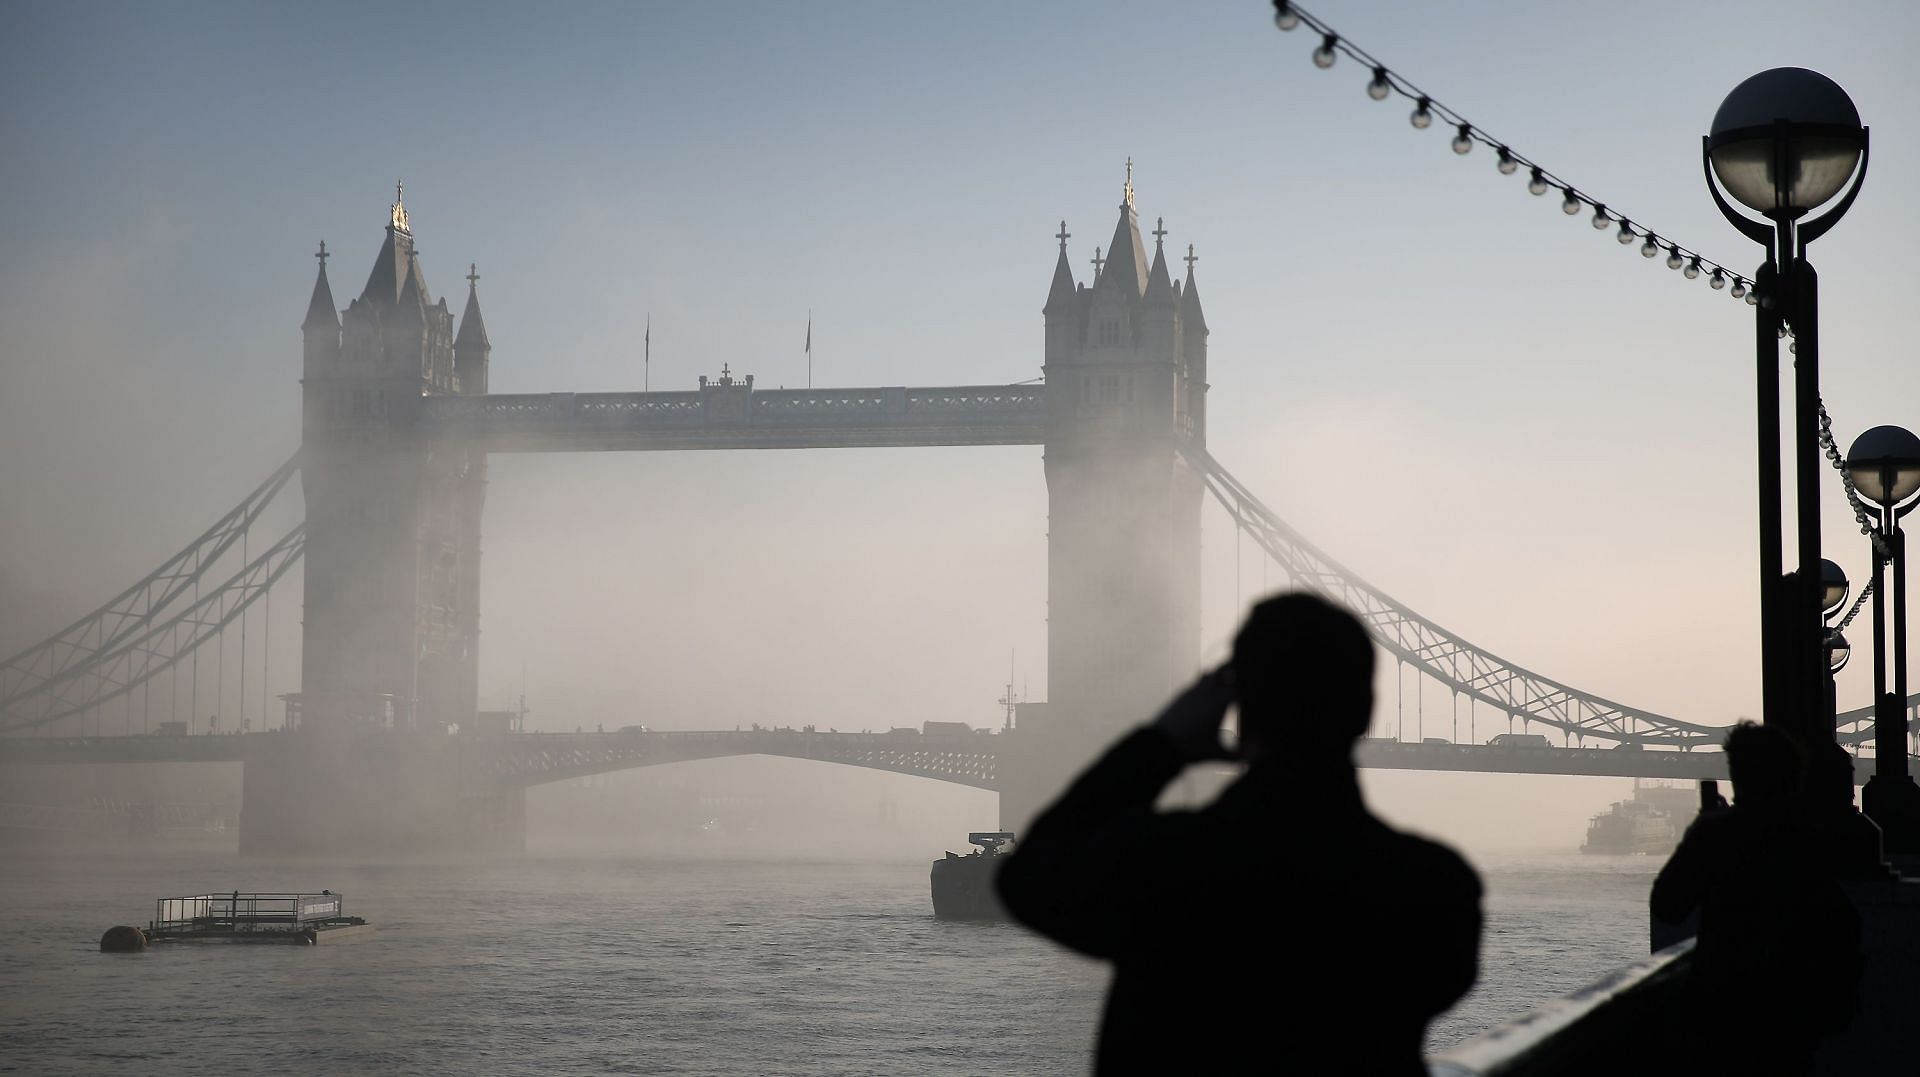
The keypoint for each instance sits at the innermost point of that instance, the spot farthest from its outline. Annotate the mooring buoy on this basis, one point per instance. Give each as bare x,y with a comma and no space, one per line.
123,940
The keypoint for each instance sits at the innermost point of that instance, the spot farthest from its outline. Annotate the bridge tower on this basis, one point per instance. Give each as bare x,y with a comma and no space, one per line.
1126,374
390,647
393,520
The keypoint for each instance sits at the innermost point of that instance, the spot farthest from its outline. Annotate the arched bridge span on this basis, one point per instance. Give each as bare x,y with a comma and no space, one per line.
511,761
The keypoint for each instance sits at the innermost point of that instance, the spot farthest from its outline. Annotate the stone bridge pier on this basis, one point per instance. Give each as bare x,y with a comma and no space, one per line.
329,793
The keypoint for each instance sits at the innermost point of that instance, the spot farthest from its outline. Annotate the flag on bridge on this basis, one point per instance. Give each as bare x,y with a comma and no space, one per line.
809,349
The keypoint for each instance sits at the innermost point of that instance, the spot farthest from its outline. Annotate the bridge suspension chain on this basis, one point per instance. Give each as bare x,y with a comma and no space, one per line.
80,645
109,674
1431,649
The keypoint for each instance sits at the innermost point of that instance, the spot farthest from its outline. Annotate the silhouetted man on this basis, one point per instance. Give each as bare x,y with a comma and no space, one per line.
1777,963
1280,929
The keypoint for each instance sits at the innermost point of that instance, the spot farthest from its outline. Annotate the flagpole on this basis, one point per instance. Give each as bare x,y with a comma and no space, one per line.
809,349
646,365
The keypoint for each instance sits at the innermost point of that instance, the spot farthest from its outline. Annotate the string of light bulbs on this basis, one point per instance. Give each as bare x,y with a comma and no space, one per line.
1386,82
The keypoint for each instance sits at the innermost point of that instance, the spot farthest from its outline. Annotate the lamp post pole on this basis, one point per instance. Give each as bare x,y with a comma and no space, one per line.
1884,465
1783,143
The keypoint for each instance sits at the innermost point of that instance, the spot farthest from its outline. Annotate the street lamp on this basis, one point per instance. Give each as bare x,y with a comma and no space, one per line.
1884,466
1783,144
1833,588
1833,595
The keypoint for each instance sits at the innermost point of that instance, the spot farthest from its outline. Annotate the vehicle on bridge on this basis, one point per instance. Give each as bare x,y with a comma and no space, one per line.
941,728
1520,740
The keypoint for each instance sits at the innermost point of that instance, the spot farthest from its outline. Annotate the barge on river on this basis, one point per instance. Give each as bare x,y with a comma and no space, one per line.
963,885
238,916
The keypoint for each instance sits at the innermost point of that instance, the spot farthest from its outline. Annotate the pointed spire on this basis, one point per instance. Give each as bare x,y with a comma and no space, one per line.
394,264
1062,291
473,329
321,312
1191,316
413,291
1159,284
1127,255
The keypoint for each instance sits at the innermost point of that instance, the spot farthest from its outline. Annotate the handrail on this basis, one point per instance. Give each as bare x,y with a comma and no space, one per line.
1579,1032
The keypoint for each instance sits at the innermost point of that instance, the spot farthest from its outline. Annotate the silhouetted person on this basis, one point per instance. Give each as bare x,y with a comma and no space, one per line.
1777,964
1280,929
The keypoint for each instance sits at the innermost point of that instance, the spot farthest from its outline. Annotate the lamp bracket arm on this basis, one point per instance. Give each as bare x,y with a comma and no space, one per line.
1813,230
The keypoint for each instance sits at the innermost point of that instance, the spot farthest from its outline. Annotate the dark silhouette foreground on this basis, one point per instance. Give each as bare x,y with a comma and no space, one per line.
1777,964
1281,929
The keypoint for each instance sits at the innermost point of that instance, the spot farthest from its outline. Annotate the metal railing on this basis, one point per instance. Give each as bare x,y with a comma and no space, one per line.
243,911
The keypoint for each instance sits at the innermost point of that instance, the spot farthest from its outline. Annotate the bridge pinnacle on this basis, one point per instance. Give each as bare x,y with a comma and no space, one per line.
397,213
321,313
1062,235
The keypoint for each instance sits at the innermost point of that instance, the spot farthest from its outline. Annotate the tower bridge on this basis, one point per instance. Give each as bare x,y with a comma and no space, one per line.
397,426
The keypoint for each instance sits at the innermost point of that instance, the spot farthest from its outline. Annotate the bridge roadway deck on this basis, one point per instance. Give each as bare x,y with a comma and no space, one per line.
737,416
522,759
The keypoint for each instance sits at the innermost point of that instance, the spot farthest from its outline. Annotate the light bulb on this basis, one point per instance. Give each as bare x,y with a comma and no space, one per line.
1674,261
1692,272
1783,332
1463,142
1649,248
1600,219
1570,205
1739,288
1422,117
1718,280
1324,56
1284,16
1508,166
1537,183
1379,88
1752,299
1625,235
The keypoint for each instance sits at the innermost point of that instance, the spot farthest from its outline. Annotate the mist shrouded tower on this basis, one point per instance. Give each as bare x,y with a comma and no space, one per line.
393,519
1126,374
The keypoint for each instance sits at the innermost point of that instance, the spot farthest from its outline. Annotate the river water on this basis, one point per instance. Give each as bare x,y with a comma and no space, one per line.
576,964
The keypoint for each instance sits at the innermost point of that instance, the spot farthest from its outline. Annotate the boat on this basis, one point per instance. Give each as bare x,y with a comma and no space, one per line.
303,919
963,885
1648,824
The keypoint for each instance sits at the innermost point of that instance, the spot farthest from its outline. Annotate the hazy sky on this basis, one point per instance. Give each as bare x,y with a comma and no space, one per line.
1525,431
